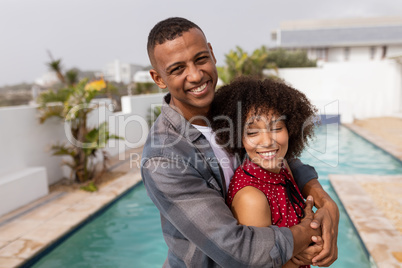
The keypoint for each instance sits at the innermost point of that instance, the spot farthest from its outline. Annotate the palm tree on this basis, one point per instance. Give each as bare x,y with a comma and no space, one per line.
74,104
55,66
72,77
238,63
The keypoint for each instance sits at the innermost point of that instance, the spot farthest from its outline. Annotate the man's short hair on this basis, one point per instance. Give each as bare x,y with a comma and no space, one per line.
168,29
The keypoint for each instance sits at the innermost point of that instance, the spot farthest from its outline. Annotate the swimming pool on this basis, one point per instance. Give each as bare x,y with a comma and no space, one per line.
128,233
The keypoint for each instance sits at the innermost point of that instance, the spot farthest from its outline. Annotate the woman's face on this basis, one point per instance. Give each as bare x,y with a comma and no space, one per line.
266,140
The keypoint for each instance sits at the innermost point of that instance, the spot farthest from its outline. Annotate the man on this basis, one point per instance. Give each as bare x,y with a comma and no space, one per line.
182,175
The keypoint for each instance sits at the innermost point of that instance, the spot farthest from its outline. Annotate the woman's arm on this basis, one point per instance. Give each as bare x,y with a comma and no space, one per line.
250,207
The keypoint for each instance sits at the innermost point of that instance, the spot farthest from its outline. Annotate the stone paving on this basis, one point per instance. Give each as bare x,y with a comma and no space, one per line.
378,232
374,204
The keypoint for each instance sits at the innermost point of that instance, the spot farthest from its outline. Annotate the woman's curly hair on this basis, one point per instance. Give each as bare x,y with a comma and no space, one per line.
247,95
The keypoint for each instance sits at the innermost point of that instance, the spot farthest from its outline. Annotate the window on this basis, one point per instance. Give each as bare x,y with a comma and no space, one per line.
372,53
322,53
346,53
384,52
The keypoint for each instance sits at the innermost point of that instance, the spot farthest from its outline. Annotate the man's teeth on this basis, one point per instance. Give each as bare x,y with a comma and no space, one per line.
272,153
199,89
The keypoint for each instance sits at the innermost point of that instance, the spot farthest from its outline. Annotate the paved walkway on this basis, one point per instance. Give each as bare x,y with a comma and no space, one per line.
374,203
367,199
32,228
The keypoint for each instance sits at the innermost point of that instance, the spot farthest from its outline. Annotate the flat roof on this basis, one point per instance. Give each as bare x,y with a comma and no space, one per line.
341,32
353,36
340,23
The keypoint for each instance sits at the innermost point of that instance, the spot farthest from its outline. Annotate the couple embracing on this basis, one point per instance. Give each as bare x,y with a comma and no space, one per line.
222,167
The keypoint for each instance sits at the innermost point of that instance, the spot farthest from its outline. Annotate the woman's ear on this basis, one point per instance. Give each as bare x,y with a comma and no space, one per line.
157,79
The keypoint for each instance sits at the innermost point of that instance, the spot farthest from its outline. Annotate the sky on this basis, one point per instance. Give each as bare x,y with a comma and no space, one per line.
88,34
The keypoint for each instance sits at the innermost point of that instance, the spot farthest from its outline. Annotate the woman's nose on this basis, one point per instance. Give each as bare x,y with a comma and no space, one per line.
267,139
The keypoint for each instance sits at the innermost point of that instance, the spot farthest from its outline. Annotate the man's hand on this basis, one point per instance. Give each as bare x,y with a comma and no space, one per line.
305,257
302,232
326,217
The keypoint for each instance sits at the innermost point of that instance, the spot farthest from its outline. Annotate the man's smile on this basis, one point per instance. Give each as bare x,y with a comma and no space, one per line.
200,89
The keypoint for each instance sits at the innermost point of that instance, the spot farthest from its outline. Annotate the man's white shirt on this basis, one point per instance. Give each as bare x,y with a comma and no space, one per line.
227,162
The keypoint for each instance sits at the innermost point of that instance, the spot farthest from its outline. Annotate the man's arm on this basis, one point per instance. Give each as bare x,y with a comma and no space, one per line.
200,214
326,216
302,173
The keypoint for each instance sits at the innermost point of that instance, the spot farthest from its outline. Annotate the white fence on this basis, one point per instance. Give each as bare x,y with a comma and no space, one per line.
362,89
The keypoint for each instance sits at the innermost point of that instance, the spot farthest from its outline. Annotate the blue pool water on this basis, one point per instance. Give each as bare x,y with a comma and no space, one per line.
128,233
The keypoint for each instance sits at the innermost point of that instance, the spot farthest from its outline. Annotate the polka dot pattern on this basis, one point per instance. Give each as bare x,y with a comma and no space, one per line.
282,212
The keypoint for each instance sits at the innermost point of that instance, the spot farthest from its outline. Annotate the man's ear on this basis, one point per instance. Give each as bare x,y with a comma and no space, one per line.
157,79
212,52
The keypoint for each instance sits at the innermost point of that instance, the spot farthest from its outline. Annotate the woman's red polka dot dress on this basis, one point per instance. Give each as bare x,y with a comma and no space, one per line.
276,187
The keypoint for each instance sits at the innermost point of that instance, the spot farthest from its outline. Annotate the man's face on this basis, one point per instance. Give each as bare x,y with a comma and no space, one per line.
186,66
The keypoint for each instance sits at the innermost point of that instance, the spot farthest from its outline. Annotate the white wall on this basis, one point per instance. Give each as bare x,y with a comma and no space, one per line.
140,104
336,54
394,51
363,89
24,142
359,54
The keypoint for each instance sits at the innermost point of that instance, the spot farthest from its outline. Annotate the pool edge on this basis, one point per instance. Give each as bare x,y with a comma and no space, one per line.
29,262
378,234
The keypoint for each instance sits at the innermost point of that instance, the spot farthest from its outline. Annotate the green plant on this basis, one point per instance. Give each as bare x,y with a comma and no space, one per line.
72,77
145,88
238,62
153,113
290,59
74,104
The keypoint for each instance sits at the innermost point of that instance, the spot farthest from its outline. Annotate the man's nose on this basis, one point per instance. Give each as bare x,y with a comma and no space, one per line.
195,74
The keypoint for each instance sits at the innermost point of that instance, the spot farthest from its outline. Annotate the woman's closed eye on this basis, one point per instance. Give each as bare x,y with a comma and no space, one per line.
252,132
276,128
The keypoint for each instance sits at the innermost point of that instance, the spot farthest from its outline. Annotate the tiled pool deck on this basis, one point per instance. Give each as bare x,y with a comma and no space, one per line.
372,202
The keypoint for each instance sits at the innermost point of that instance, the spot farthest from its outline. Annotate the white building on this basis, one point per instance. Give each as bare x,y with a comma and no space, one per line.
117,71
359,73
47,79
143,77
362,39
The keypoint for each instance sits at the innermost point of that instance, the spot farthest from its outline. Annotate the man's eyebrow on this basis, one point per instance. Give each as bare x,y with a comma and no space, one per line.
171,66
200,53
